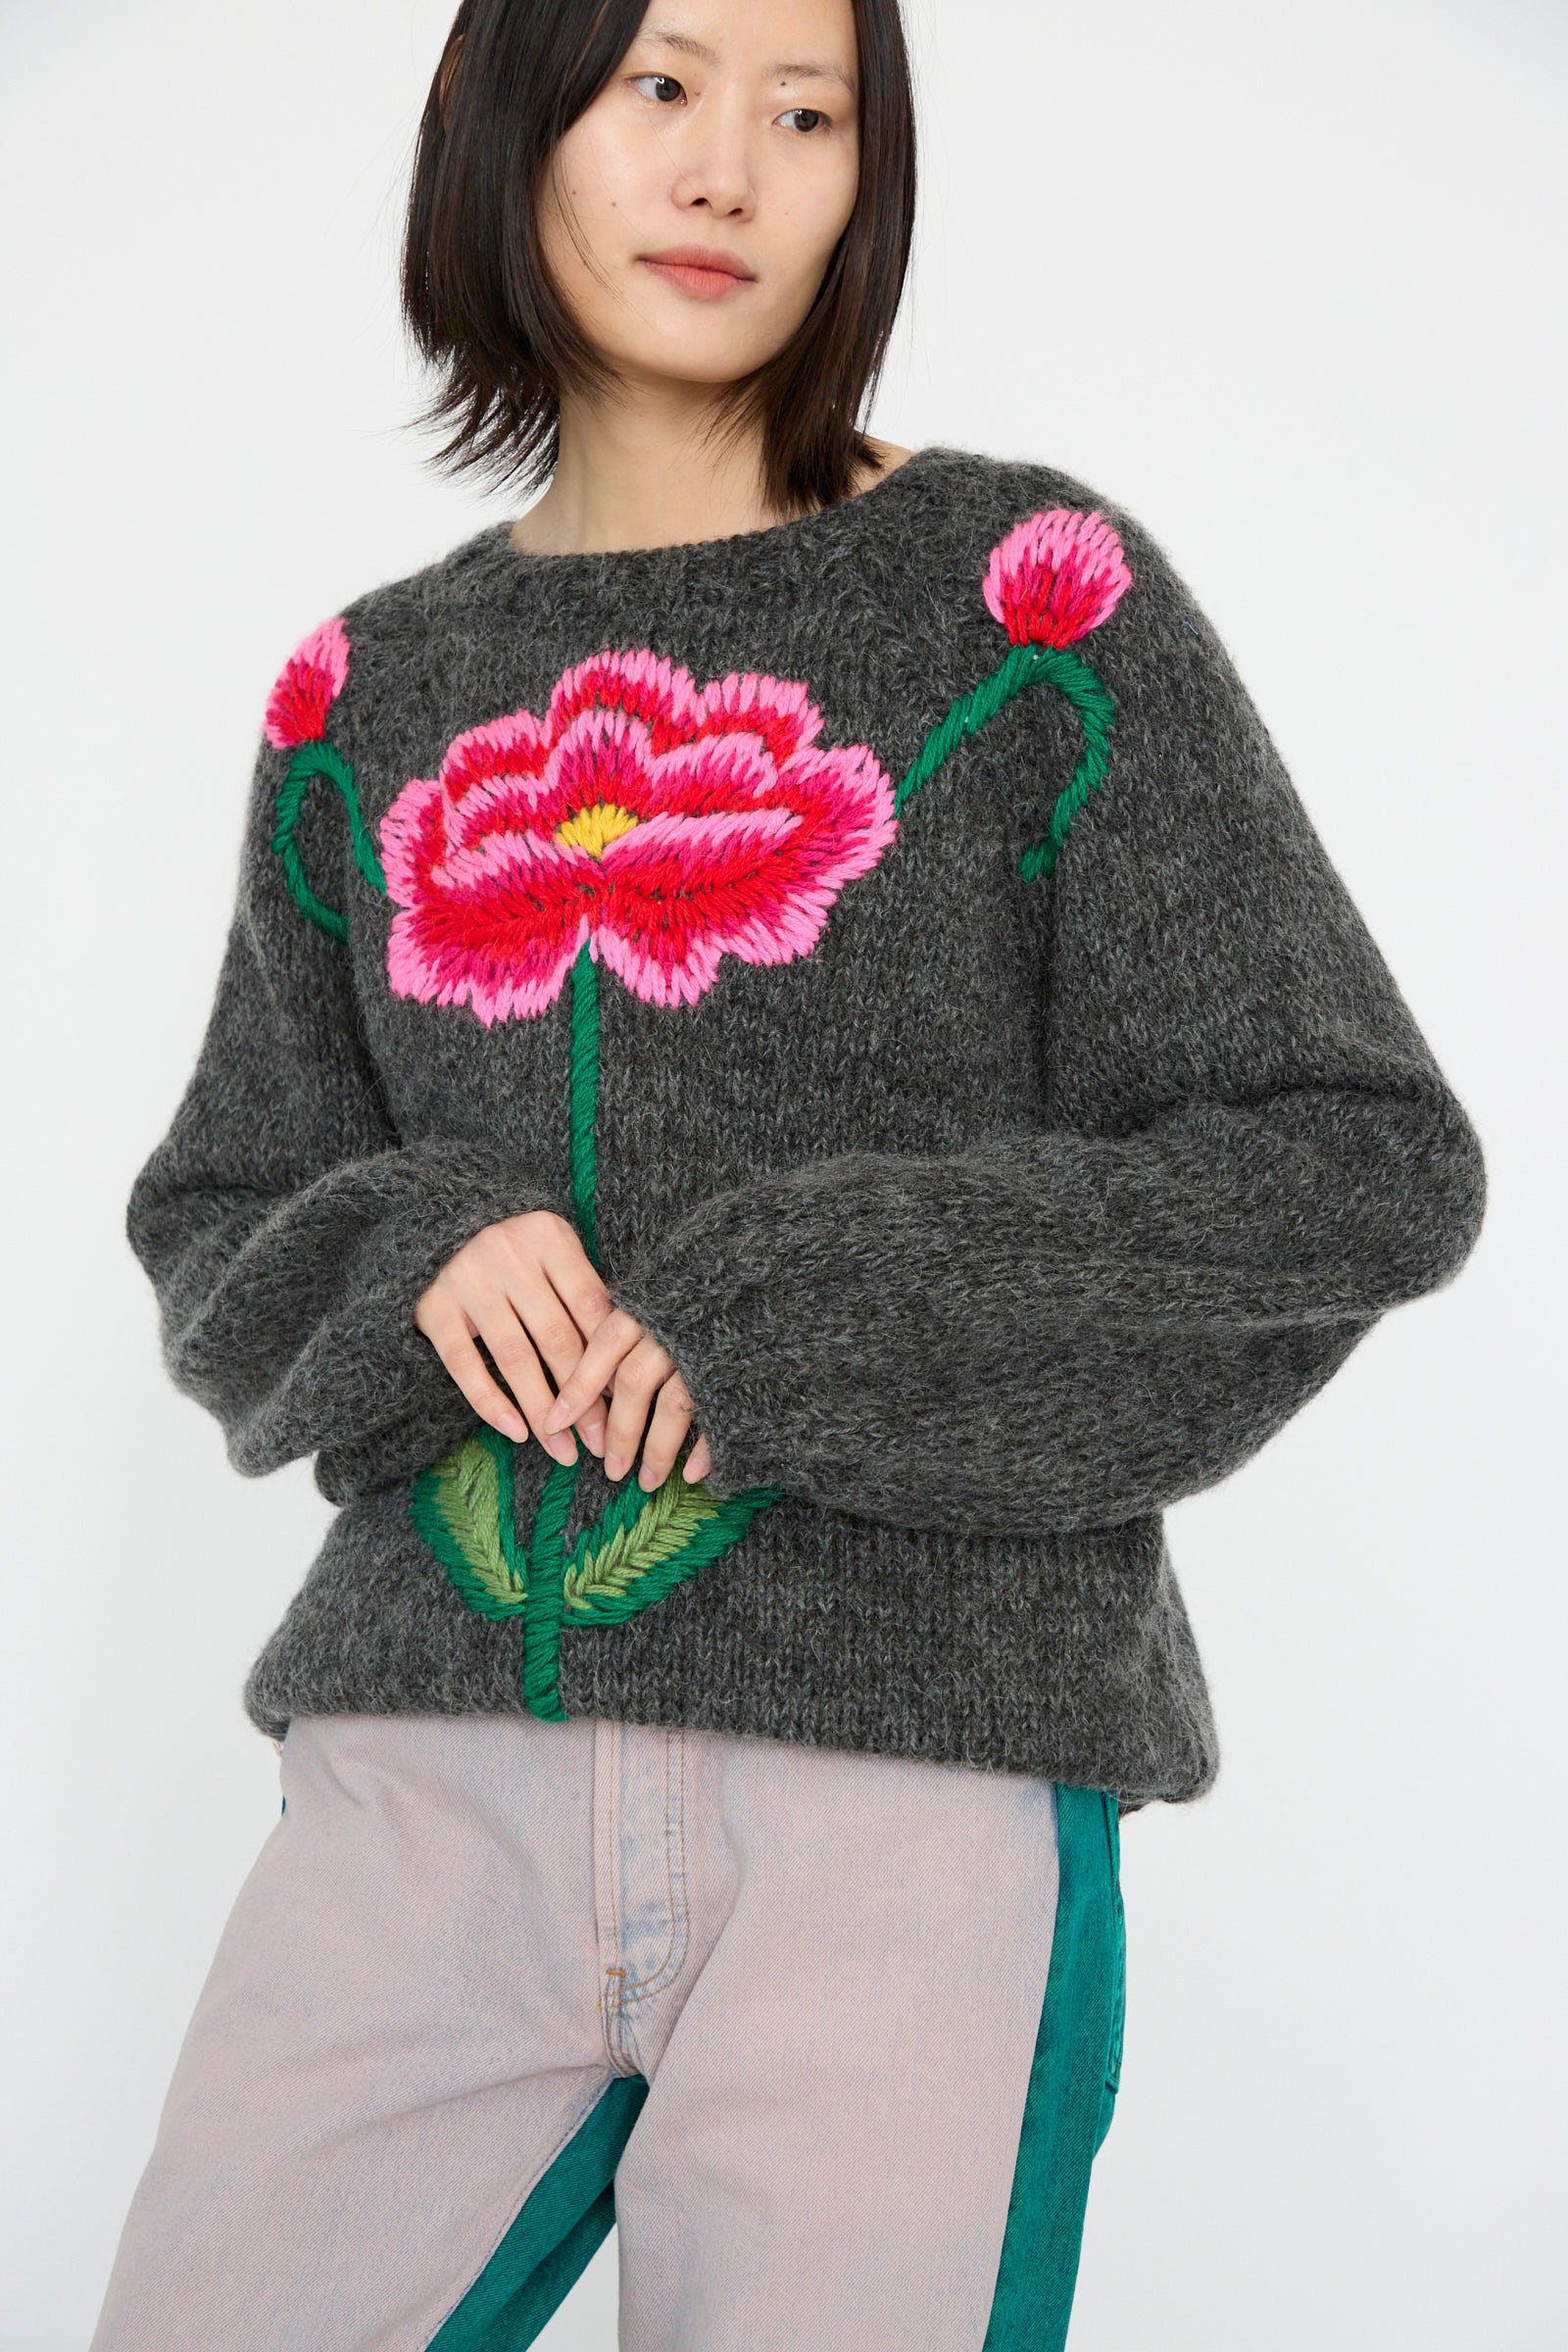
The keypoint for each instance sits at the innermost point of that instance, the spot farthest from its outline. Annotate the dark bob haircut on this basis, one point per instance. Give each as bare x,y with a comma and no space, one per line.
514,77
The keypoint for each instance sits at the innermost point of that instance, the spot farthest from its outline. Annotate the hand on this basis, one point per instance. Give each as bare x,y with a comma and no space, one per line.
624,1357
528,1288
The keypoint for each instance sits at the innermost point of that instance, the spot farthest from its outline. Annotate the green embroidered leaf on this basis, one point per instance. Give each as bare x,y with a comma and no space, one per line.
643,1544
463,1507
633,1534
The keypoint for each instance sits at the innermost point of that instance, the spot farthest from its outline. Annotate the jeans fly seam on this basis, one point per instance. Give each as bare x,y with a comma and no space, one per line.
679,1928
614,1975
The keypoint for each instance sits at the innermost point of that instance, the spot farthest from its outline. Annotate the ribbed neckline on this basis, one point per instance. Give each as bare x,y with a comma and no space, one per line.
491,555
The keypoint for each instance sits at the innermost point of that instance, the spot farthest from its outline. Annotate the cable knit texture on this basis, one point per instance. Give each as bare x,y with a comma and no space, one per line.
985,1216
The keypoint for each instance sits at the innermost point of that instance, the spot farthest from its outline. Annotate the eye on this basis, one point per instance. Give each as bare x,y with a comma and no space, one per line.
815,111
669,79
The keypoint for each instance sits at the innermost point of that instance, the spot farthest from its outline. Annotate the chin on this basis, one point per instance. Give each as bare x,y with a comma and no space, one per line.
684,360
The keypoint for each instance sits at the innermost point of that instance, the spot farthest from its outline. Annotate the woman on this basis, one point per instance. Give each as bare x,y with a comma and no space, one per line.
789,1070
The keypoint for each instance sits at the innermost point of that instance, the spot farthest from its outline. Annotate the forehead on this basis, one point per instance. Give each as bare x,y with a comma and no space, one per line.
787,40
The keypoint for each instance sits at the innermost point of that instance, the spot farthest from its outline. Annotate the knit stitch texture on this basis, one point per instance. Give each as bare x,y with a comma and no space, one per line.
992,1185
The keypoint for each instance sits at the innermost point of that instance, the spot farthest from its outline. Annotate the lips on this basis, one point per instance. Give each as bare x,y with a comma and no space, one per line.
700,269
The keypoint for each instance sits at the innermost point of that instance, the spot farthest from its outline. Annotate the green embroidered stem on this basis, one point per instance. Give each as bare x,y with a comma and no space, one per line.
584,1098
309,761
1076,679
541,1613
967,716
642,1544
1027,666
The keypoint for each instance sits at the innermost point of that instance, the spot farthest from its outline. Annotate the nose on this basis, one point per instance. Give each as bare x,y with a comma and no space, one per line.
715,162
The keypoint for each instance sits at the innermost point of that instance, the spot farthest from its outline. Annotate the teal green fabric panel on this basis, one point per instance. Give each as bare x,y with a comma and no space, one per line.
548,2285
1107,2104
1072,2083
558,2228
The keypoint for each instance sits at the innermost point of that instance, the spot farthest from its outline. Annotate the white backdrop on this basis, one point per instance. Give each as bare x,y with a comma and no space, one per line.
1287,282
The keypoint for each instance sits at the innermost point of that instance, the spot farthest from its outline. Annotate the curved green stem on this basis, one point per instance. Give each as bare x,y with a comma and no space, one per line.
1027,666
1076,679
967,716
309,761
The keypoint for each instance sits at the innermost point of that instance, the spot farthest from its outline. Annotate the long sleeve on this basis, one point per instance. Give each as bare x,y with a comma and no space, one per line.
1246,1154
286,1230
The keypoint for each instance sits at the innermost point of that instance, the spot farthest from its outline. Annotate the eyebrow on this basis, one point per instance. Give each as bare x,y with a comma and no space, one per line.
802,70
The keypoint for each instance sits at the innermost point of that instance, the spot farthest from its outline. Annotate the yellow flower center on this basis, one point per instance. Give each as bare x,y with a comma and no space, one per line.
592,829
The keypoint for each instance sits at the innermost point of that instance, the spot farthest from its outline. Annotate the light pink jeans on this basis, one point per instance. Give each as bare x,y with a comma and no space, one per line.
495,1985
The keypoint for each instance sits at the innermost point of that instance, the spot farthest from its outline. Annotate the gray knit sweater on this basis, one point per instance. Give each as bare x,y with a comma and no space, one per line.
893,940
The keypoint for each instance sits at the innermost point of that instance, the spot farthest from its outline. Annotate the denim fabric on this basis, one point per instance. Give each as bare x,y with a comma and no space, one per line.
817,1974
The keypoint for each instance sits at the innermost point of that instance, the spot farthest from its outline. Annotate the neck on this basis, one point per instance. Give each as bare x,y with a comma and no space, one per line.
646,479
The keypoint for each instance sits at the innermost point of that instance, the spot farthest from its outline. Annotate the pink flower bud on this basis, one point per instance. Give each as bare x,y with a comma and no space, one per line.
1056,575
311,683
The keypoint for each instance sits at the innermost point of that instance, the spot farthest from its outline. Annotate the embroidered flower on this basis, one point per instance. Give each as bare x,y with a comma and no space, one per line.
311,683
1056,575
659,823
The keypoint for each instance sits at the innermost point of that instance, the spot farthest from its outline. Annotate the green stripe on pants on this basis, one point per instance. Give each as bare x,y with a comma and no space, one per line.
561,2227
1073,2081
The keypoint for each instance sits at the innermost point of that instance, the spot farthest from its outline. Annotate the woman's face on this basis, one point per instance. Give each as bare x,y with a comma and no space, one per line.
728,126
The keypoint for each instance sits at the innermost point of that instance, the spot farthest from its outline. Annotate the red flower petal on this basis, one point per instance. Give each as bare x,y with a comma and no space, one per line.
778,709
514,746
308,685
1056,575
659,693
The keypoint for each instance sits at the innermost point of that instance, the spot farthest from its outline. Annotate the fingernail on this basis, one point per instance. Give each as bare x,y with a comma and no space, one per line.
614,1467
562,1448
516,1429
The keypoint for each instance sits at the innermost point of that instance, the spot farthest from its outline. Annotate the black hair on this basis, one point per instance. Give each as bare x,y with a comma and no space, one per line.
515,75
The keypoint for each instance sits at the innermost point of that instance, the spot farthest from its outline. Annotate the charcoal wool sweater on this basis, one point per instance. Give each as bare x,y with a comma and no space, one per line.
893,940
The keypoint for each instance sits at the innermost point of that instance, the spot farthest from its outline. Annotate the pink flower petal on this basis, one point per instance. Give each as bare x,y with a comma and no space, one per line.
604,758
659,693
496,928
1056,575
707,778
513,745
308,683
778,709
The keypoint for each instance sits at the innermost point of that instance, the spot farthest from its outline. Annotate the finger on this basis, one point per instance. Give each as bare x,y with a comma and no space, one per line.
577,1283
518,1363
539,1264
666,1433
450,1333
591,1423
698,1462
639,1377
598,1368
557,1337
